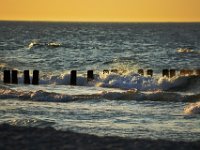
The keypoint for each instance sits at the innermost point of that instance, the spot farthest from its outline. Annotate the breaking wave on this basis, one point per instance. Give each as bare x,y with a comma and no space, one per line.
193,108
37,44
41,95
126,81
186,50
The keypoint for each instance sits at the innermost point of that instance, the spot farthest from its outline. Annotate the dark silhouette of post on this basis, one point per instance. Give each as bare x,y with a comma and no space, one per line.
26,77
114,70
6,77
150,72
172,73
35,80
14,77
165,72
73,77
189,72
141,72
198,72
182,72
105,71
90,75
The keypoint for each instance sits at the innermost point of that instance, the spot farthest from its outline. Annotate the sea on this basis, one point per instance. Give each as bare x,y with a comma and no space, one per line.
118,101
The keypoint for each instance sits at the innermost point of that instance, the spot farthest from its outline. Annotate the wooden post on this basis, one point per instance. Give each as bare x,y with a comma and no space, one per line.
189,72
198,72
150,72
90,75
6,78
14,77
73,77
172,73
26,77
35,80
165,72
141,72
114,70
182,72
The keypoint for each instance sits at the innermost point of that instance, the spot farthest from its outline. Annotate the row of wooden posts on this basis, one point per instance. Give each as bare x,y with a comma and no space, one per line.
169,73
12,76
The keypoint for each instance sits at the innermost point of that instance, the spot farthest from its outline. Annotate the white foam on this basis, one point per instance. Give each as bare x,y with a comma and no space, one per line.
126,81
63,79
187,83
36,43
193,108
184,50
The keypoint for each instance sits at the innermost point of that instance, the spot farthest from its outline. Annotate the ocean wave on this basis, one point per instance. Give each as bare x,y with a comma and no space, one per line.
30,122
34,95
37,44
125,81
180,83
186,50
133,94
130,81
193,108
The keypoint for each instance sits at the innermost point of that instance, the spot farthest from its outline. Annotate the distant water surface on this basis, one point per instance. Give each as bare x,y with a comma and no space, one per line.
100,45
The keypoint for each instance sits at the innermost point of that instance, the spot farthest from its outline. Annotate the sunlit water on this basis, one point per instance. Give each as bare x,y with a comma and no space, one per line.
126,104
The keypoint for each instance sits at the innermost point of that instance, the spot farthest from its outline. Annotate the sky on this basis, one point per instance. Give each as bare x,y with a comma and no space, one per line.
101,10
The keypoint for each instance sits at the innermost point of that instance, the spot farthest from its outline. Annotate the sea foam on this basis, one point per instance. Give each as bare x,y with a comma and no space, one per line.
126,81
193,108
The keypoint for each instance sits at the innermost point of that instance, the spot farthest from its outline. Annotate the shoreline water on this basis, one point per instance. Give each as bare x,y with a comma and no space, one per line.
13,137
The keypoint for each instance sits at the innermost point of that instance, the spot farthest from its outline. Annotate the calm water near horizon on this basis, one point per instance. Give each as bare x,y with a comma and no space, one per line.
124,104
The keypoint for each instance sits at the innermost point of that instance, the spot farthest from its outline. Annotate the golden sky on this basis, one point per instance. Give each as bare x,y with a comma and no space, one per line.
101,10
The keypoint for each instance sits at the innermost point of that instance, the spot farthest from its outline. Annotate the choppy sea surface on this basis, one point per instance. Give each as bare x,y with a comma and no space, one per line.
116,104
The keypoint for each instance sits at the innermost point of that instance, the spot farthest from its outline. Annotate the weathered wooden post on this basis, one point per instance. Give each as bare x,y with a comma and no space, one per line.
182,72
150,72
35,80
165,72
198,72
73,77
189,72
14,77
141,72
6,77
26,77
90,75
172,73
105,71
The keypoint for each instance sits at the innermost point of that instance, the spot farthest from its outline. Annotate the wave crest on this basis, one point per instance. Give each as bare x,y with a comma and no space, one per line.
133,94
193,108
126,81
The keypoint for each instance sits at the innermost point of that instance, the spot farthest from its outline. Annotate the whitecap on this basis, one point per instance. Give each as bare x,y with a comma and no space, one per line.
193,108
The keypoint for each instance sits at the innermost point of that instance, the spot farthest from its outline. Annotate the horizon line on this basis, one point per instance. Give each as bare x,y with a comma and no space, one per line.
81,21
